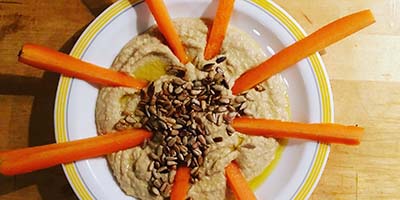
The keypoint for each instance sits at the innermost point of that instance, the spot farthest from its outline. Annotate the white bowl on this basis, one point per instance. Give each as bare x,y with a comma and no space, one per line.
301,164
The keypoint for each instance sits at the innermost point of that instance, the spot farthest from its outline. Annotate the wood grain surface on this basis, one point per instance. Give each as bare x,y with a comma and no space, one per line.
364,71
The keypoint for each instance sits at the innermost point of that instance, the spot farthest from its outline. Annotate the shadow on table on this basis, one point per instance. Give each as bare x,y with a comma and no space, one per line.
51,182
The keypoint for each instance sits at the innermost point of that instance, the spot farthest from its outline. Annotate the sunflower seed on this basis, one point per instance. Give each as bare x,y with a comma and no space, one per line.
197,152
137,125
157,165
154,156
177,126
139,113
230,129
205,152
208,67
171,158
259,88
170,88
195,145
209,139
162,169
171,142
195,92
220,59
196,102
182,97
185,140
157,183
171,176
170,163
218,88
199,88
195,163
183,148
173,152
163,125
164,185
221,109
178,90
224,100
180,157
202,139
249,97
146,110
155,191
210,117
240,99
194,170
200,160
160,150
170,120
249,146
225,83
151,166
219,120
218,139
174,132
247,112
166,192
188,162
211,75
188,85
203,105
228,117
151,144
155,174
243,106
178,71
179,81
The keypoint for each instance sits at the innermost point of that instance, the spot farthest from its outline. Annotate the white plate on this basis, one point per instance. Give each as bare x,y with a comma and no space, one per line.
301,163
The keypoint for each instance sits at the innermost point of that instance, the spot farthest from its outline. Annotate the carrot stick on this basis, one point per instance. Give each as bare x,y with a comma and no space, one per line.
181,184
11,154
238,183
218,29
317,41
329,133
166,27
24,161
51,60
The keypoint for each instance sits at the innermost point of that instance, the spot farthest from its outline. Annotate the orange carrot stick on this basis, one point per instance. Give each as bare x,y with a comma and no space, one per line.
51,60
11,154
181,185
238,183
218,29
329,133
317,41
166,27
24,161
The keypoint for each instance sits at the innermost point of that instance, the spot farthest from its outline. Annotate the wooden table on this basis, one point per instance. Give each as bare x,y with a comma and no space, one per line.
364,72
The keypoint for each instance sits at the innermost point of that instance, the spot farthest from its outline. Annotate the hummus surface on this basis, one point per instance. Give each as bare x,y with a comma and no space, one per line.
115,106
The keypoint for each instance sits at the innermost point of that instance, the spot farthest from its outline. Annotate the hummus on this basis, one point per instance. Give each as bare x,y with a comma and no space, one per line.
120,108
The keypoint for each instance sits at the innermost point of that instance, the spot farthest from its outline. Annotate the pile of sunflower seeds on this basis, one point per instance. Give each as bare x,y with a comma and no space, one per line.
175,114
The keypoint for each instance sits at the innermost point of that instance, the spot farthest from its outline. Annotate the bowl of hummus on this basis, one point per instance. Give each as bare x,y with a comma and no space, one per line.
189,107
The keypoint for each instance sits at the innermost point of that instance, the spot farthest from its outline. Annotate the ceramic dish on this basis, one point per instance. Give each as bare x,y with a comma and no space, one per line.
293,176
